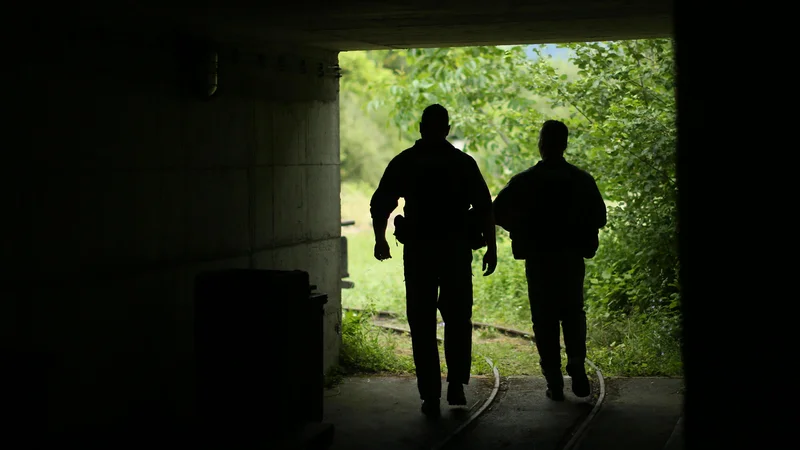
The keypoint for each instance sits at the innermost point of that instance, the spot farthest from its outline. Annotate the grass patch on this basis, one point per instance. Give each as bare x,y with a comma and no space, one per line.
369,348
635,346
619,345
512,356
500,299
378,284
355,204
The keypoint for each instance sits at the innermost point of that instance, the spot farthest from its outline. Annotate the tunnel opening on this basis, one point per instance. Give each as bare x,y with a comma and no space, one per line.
617,97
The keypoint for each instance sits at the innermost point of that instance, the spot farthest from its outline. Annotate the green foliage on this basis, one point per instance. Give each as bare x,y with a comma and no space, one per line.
483,89
365,74
622,345
502,298
367,349
368,139
625,134
378,283
617,99
361,142
635,346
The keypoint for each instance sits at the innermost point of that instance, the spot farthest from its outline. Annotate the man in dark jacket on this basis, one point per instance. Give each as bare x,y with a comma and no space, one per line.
439,184
553,212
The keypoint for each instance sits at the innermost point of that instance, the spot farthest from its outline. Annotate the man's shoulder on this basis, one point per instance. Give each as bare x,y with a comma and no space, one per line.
524,175
409,151
451,155
464,157
580,172
403,156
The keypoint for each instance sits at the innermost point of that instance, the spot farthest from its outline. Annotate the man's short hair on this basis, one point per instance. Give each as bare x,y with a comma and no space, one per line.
554,135
435,117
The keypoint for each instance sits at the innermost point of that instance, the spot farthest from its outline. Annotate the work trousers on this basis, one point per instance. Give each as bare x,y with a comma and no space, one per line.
439,275
555,292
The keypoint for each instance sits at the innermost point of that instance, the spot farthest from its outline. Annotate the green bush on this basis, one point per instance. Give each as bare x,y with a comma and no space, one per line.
618,100
638,345
501,298
366,348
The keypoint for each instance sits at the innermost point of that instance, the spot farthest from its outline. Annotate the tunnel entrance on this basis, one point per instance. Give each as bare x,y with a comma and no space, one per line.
617,97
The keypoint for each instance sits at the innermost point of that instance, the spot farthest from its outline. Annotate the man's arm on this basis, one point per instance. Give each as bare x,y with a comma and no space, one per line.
481,200
505,208
383,202
597,207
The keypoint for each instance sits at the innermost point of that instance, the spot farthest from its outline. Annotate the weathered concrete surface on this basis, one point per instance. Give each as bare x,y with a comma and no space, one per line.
124,186
639,413
384,413
677,439
367,24
523,418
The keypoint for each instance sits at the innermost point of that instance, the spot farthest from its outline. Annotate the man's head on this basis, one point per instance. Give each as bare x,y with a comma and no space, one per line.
553,139
435,123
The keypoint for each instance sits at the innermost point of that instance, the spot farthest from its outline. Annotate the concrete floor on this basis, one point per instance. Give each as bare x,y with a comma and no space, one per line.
383,413
638,413
523,418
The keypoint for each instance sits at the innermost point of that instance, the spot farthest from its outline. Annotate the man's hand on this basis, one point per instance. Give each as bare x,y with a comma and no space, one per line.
382,250
489,262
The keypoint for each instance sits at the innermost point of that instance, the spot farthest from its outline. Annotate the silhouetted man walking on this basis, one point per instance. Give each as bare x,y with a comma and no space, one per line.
554,211
439,184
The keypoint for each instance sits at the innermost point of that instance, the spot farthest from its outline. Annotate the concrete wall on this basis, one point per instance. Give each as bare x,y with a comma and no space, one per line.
124,187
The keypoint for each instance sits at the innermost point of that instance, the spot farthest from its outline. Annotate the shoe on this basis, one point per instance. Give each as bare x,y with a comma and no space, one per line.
580,382
557,395
455,394
430,407
555,383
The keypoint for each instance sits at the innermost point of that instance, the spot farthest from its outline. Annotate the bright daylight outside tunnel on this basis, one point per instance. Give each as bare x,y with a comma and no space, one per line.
617,98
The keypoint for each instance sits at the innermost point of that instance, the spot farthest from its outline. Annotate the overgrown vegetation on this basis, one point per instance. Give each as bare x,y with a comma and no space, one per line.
369,349
617,99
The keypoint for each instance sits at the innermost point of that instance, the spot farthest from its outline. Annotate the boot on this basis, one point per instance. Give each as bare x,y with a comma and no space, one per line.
555,384
580,381
430,407
455,394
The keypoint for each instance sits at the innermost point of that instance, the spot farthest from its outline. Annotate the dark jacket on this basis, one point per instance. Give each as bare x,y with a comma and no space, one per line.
553,206
439,184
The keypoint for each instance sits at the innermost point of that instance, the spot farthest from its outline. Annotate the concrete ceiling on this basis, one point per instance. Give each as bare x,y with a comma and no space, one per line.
370,24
